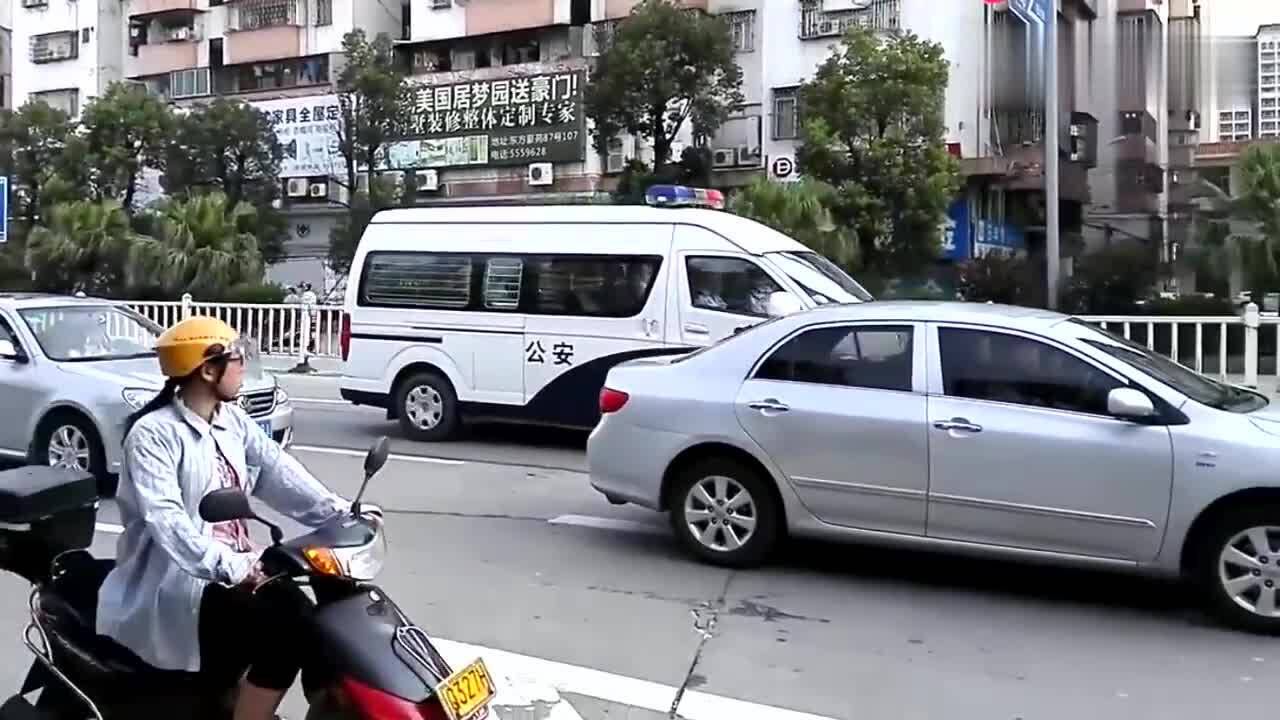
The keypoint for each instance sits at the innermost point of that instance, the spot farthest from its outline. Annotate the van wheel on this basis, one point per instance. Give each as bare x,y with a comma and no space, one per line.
724,512
69,440
1237,568
427,407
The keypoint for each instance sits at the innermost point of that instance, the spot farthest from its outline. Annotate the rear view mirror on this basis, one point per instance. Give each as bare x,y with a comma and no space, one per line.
783,303
225,505
1130,404
377,456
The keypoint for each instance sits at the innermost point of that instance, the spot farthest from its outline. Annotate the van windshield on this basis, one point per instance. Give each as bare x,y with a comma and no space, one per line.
821,279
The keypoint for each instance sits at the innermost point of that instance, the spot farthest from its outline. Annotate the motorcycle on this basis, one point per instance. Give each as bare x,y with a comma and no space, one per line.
370,661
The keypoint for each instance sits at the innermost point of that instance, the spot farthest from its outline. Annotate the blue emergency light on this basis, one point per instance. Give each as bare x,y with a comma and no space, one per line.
684,196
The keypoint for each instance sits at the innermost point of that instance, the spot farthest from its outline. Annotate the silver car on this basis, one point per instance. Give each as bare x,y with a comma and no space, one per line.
966,427
71,370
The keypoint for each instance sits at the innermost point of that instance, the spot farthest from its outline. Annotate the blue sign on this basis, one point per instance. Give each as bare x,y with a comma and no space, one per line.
4,209
957,236
1000,237
1033,11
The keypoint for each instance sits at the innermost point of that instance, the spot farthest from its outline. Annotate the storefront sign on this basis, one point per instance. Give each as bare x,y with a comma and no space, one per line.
307,128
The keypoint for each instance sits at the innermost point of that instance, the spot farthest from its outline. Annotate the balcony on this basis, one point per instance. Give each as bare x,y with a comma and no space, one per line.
259,30
256,77
143,8
164,57
883,15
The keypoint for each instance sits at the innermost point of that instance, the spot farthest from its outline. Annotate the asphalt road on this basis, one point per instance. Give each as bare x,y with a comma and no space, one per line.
592,612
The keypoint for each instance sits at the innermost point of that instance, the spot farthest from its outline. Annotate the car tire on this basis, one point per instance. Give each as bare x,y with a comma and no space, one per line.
427,407
77,444
1233,574
732,530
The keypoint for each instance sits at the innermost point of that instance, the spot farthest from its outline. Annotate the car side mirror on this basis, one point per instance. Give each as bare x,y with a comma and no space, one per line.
783,303
225,505
1130,404
9,351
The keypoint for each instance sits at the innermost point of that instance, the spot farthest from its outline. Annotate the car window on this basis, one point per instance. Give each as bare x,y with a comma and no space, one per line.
983,365
732,285
878,357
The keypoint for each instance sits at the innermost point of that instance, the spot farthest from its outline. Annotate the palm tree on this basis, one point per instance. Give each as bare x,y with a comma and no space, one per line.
1243,230
80,247
201,246
799,209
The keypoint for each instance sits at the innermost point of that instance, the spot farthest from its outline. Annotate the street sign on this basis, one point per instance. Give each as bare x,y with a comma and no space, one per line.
4,209
783,167
1033,11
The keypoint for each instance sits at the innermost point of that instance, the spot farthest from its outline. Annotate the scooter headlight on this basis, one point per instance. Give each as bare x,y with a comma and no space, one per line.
361,563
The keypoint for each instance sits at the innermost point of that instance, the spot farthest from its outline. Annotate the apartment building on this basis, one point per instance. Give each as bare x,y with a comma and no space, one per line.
6,55
65,52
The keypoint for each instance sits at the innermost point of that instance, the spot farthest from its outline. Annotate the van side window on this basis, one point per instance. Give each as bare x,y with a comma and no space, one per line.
593,286
731,285
422,280
502,277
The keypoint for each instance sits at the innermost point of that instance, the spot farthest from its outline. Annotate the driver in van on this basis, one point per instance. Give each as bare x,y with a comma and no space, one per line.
186,595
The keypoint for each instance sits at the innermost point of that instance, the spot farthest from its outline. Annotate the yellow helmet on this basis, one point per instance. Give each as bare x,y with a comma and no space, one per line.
183,348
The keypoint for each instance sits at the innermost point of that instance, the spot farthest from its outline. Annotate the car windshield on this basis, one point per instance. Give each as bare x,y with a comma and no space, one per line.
1203,390
87,333
822,279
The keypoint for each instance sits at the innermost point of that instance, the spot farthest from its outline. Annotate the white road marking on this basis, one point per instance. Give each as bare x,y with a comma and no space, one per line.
361,453
520,672
604,523
109,528
328,401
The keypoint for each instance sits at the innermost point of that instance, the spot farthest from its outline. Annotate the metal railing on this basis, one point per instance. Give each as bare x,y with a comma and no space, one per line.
1232,346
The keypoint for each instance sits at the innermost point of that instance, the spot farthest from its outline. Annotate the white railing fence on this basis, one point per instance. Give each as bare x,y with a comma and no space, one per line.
1247,345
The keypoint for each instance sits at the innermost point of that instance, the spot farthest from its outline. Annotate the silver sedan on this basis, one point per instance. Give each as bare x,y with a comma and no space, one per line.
976,428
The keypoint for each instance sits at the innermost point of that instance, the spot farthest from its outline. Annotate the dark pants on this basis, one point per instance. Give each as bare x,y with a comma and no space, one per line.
263,633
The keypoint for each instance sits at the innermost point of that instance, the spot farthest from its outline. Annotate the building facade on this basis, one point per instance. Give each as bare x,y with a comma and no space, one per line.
65,52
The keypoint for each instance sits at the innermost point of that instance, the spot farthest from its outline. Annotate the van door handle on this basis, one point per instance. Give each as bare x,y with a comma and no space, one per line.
697,329
960,424
769,405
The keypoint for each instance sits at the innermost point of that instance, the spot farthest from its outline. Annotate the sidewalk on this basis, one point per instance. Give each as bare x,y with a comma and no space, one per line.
322,366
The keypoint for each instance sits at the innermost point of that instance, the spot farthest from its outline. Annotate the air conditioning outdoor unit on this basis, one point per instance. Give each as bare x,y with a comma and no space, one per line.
621,148
297,187
319,190
615,163
540,174
724,157
748,155
180,34
427,180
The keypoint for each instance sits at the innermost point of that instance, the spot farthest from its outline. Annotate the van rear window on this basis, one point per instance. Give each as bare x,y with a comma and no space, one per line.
425,280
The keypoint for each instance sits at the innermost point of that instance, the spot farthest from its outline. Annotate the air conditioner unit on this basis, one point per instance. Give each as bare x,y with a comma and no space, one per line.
427,180
724,157
748,155
319,190
827,27
621,148
297,187
615,164
540,174
180,34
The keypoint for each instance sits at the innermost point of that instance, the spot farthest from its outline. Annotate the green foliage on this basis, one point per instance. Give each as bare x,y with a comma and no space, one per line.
636,179
346,233
33,141
203,245
252,293
873,129
663,66
82,246
800,210
1110,281
126,129
998,277
230,147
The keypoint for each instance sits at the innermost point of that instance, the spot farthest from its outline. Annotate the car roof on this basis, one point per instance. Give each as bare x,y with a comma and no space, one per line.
1010,316
35,299
747,234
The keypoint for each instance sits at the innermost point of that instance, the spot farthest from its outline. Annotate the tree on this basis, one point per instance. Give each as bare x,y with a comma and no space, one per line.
33,143
126,129
663,66
998,277
81,246
800,210
873,128
1243,229
202,246
375,100
230,147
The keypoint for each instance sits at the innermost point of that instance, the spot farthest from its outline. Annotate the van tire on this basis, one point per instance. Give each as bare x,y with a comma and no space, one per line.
427,407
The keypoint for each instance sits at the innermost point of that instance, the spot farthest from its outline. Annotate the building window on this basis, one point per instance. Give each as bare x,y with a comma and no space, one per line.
786,114
742,27
268,76
68,101
422,280
324,12
189,83
255,14
52,47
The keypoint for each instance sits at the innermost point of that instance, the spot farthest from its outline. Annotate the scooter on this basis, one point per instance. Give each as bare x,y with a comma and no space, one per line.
371,661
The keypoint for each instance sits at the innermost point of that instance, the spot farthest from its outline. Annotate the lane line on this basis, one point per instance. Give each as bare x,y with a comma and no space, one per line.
329,401
645,694
606,523
361,453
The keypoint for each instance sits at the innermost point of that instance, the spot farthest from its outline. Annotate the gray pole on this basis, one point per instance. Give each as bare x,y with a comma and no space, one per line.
1051,239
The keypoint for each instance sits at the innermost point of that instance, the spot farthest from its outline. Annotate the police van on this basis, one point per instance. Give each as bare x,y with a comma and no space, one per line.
516,314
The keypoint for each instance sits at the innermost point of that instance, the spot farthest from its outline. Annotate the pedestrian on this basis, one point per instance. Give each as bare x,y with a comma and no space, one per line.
310,302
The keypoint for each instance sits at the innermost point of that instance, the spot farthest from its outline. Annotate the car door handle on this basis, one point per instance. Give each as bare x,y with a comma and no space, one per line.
769,405
697,329
960,424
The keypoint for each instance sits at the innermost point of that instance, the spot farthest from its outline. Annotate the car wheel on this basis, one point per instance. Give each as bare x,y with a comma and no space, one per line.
1238,568
724,512
427,407
69,440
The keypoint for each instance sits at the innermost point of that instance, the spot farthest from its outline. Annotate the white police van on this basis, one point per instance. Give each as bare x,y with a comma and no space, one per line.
518,313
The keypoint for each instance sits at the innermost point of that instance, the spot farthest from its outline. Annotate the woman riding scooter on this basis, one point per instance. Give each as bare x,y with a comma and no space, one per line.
184,594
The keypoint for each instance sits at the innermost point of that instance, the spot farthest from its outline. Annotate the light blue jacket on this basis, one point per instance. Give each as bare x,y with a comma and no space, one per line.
166,554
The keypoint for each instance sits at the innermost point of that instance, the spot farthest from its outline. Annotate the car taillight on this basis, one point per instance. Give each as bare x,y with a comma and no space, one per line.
373,703
344,339
611,400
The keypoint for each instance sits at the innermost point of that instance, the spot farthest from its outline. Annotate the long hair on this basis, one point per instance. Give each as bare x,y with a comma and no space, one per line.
172,386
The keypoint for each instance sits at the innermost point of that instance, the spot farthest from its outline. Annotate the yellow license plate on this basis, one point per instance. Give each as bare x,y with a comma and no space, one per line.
466,692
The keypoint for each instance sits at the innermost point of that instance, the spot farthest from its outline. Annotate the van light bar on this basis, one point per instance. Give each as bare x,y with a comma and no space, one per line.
684,196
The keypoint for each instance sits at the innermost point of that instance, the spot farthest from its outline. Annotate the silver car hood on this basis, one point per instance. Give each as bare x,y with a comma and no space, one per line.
143,373
1267,419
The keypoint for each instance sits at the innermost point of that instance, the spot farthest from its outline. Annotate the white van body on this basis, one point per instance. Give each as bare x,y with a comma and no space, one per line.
523,310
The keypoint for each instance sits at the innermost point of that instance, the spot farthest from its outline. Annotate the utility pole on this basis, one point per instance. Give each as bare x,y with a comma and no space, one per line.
1052,239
